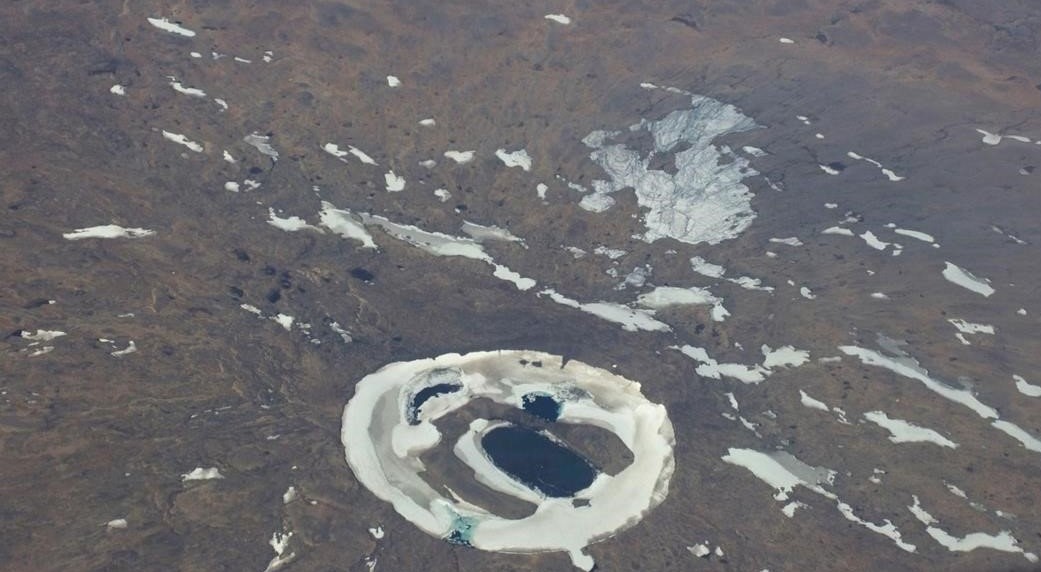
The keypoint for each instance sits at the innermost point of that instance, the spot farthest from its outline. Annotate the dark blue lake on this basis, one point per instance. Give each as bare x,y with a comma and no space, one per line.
538,461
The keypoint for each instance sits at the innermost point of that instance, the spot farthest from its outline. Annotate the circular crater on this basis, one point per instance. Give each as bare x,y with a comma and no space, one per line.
511,451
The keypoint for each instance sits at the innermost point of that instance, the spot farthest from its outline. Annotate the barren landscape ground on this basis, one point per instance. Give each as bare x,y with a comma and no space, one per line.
890,198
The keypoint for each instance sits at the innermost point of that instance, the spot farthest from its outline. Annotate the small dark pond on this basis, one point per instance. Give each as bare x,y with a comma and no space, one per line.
426,393
542,406
538,461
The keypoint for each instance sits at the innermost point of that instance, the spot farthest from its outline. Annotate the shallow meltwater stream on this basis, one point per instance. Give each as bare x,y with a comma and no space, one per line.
538,461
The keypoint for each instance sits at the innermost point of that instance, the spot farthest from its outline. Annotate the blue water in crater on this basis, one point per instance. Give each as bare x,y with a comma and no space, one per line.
537,461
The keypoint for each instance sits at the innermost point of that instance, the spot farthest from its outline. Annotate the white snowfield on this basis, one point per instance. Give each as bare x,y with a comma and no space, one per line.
383,449
958,275
167,26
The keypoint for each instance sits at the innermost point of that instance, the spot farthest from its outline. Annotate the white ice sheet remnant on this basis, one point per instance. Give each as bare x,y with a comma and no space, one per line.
790,241
965,279
182,140
784,40
460,157
631,319
201,474
384,439
829,170
705,200
558,18
172,27
107,231
783,471
117,90
394,182
393,81
289,224
261,143
1028,389
906,366
428,122
519,158
344,223
1002,541
901,431
666,296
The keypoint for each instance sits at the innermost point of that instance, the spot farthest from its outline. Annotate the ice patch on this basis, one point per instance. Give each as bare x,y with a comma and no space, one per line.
131,348
289,224
812,403
290,495
965,279
182,140
784,472
334,150
519,158
117,90
1003,541
201,474
790,241
631,319
172,27
873,241
179,88
906,432
42,335
1023,387
428,122
837,230
460,157
344,223
908,367
116,524
261,143
916,235
393,81
394,182
279,543
829,170
107,231
442,195
786,40
558,18
970,327
706,268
